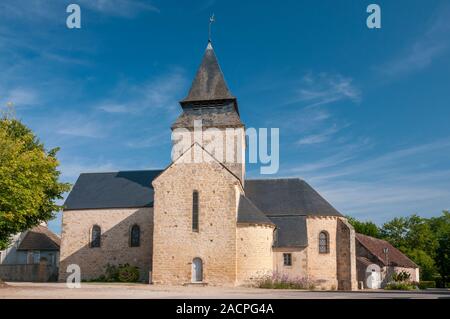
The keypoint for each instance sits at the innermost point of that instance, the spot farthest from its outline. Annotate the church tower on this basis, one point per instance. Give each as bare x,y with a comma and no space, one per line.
196,199
211,118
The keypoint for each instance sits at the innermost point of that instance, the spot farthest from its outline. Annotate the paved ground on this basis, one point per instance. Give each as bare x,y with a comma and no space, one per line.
141,291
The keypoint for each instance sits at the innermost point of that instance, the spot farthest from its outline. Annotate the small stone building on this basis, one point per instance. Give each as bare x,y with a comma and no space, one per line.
374,251
202,221
32,256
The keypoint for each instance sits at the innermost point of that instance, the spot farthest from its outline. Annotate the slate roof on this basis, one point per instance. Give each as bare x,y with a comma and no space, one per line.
394,257
218,116
40,238
126,189
288,196
249,213
282,202
209,82
291,231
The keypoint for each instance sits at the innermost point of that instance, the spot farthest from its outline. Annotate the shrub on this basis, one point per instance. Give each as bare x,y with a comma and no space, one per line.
427,284
401,276
120,273
282,281
399,285
127,273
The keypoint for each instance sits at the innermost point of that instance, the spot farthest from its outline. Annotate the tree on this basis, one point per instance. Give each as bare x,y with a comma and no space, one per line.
395,232
443,258
366,228
424,261
29,180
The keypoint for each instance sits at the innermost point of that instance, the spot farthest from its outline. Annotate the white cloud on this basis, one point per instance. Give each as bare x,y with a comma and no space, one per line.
160,93
321,137
400,182
426,48
153,138
80,125
20,97
114,108
325,89
120,8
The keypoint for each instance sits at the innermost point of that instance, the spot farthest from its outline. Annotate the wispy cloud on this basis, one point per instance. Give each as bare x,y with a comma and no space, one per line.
321,137
80,125
159,93
155,139
39,10
325,88
403,181
20,97
426,48
120,8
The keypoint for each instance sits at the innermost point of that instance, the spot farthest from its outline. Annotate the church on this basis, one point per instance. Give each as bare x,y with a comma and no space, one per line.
203,222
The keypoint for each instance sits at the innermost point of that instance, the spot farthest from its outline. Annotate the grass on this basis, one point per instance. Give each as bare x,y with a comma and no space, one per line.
400,285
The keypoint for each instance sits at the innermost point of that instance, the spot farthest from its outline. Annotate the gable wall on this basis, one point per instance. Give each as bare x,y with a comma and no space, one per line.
175,244
218,142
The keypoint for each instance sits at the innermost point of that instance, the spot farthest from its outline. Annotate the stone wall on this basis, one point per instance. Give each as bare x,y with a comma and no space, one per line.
254,252
175,244
322,267
346,256
115,240
299,266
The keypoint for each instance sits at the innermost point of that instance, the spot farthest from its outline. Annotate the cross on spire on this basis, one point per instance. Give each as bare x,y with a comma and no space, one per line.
211,20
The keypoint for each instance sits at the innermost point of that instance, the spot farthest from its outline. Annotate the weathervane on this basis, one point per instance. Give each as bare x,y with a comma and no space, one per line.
211,20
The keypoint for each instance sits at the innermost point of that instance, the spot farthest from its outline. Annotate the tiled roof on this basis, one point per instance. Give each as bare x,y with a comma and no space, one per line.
376,247
40,238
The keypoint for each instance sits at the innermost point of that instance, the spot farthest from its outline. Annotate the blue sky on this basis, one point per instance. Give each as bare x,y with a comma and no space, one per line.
363,114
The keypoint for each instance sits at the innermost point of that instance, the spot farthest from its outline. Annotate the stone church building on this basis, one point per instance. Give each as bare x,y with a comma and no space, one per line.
203,221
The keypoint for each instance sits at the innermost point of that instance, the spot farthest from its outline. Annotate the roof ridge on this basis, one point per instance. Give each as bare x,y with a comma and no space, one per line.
275,179
124,171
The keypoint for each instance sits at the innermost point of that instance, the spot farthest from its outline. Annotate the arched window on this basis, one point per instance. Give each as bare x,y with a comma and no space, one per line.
96,235
197,270
195,211
324,242
135,236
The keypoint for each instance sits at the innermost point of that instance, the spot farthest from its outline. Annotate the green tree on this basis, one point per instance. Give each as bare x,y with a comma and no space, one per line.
366,228
395,232
29,180
425,262
443,258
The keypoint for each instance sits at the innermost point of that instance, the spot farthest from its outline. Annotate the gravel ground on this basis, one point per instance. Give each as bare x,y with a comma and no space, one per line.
145,291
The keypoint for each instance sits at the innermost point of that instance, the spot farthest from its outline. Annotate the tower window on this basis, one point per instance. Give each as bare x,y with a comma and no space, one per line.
135,236
195,211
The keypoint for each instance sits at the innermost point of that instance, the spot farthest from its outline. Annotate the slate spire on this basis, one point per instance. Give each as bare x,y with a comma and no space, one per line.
209,83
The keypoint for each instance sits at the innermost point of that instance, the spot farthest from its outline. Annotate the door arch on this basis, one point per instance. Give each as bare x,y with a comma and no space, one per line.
197,270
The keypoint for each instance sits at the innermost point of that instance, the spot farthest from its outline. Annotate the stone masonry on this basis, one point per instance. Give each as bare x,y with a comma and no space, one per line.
115,241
